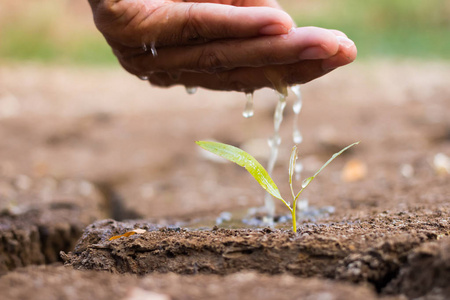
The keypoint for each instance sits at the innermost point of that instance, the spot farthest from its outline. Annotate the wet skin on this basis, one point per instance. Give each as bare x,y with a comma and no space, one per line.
220,45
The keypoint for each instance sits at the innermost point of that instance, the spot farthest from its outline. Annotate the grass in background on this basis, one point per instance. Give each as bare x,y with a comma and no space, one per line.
32,44
52,31
400,28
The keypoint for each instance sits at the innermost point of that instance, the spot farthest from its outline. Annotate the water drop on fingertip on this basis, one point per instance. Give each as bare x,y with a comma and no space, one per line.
306,182
191,90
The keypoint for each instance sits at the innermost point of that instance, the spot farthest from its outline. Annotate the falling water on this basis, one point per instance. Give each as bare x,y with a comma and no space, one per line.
153,49
274,143
296,134
248,110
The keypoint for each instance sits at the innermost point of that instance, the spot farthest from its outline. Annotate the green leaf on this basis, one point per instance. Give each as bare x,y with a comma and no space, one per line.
308,180
245,160
333,157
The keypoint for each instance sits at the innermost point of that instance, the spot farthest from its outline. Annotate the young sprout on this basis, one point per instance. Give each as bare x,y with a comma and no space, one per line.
247,161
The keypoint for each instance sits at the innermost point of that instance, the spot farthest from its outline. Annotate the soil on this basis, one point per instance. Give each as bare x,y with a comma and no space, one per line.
99,151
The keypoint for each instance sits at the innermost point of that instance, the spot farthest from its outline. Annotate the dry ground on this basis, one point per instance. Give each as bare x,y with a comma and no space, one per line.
79,145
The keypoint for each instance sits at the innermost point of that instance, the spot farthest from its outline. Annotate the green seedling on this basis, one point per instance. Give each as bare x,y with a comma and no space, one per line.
247,161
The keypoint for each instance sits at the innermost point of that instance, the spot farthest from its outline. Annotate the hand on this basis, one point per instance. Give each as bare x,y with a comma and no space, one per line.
222,45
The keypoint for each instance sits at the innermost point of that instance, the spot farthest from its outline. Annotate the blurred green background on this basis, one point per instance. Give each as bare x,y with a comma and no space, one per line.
62,31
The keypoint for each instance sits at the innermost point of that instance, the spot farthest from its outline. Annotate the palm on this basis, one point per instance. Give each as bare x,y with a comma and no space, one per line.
194,39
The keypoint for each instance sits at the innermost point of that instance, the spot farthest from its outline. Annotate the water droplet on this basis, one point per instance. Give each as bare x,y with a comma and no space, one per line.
296,90
298,170
302,205
191,90
407,170
248,110
306,182
297,107
153,49
143,77
144,47
274,141
297,136
441,163
278,115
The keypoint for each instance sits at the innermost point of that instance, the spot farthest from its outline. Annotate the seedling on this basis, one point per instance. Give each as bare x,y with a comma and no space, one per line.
247,161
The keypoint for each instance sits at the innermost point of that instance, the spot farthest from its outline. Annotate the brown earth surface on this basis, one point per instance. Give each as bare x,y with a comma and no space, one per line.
80,145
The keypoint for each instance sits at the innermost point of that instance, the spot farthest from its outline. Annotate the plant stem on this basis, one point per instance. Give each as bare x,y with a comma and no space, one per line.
293,212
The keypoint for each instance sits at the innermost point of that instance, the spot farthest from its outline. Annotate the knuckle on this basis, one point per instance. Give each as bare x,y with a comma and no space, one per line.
212,60
190,29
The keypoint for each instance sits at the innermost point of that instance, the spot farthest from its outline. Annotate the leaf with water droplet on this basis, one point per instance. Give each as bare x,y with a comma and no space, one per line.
307,181
292,162
245,160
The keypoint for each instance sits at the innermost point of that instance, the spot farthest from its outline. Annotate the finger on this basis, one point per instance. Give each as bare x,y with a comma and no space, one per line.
267,3
338,32
187,23
245,79
346,54
249,79
300,44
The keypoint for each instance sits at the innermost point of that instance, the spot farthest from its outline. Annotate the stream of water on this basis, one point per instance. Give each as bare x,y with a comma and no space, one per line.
274,141
296,134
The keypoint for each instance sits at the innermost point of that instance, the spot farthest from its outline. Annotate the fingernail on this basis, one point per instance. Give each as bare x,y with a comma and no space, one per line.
313,53
273,29
345,42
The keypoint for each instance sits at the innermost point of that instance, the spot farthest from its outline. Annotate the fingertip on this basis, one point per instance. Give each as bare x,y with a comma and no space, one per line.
338,32
345,42
321,43
276,22
345,56
348,48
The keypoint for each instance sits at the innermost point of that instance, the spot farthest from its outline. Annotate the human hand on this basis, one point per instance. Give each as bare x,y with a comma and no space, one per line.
224,45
